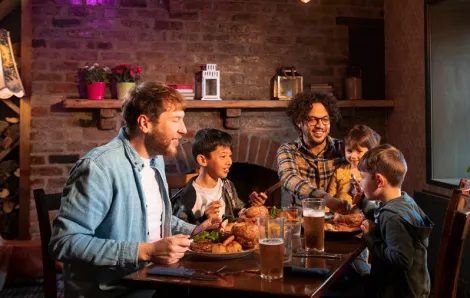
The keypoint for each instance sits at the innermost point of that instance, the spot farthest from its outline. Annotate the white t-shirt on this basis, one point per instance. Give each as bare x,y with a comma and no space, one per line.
153,201
204,196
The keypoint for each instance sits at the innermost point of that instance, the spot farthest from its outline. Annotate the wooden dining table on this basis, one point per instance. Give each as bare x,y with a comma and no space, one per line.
241,278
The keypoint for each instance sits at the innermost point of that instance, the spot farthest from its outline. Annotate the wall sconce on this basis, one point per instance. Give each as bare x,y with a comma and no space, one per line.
10,81
305,1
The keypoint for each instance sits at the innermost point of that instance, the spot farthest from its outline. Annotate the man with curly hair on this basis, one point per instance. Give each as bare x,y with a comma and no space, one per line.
306,165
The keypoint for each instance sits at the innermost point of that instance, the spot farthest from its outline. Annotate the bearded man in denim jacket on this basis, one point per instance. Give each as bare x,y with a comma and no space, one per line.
115,214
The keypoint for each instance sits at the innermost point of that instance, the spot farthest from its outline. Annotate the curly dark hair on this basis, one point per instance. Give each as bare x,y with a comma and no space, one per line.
301,104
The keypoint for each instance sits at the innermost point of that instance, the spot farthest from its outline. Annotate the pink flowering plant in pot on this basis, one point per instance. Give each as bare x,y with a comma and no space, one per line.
125,76
126,73
95,77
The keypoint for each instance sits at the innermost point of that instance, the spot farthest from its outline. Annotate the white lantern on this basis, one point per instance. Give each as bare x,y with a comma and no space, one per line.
208,83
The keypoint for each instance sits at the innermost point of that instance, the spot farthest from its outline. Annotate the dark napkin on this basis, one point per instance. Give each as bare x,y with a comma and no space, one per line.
302,271
181,272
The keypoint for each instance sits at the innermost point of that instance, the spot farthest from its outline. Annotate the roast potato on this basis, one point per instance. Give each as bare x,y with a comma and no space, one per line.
234,246
219,248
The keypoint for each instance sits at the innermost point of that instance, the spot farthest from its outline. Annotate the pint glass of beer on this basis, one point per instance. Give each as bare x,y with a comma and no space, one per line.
314,220
271,246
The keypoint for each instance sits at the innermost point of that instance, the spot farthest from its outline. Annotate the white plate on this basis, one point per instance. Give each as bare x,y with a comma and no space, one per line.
222,256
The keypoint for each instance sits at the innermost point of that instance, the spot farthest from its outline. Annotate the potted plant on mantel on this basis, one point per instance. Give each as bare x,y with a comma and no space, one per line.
126,77
95,78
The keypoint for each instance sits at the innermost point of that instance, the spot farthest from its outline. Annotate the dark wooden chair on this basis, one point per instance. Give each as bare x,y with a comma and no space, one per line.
454,234
44,204
178,181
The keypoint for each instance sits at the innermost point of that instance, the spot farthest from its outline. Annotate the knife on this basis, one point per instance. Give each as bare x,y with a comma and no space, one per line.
271,189
318,255
202,277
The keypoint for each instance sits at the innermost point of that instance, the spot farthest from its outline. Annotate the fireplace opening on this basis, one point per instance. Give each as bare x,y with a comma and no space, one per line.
250,177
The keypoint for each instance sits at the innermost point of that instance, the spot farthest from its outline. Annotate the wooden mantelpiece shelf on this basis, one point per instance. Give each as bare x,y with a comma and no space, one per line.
225,104
233,108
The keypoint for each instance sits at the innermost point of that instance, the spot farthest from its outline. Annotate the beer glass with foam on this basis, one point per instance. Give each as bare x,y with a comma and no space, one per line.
271,246
314,221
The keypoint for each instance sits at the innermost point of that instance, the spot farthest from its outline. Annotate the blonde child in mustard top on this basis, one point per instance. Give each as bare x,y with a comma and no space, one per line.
359,140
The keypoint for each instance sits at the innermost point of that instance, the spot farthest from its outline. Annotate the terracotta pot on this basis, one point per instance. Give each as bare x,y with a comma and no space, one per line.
123,88
95,91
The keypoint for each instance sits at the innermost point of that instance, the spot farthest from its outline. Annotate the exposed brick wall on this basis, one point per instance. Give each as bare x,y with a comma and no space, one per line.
258,150
248,40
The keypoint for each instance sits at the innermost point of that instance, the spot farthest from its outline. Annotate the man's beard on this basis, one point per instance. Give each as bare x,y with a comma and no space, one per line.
159,144
310,140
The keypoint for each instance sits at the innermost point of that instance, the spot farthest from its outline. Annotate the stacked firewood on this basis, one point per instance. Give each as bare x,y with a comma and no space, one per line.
9,179
10,132
9,199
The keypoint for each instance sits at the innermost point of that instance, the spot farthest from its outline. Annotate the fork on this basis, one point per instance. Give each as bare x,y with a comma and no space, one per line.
209,272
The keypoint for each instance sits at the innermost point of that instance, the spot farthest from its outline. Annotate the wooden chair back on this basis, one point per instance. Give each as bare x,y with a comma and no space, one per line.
454,234
44,204
178,181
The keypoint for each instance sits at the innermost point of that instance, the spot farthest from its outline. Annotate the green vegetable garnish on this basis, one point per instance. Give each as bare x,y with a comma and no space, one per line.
211,236
229,218
274,212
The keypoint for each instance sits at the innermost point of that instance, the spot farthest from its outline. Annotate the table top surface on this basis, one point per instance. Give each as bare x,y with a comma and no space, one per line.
242,276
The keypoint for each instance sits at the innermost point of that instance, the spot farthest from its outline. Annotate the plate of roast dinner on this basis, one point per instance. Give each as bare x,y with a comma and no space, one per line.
237,237
344,223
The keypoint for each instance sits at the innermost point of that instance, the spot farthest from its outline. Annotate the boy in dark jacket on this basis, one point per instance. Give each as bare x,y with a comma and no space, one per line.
211,194
397,231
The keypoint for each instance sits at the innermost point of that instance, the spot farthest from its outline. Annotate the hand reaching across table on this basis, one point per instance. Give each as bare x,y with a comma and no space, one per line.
212,223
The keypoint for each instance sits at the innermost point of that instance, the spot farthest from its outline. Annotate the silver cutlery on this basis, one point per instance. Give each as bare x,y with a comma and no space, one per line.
318,255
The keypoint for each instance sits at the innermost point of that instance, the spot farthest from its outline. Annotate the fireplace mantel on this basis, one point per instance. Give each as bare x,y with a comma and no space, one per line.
225,104
233,108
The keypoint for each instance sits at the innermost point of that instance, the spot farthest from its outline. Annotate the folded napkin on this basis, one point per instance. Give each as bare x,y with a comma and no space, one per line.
181,272
171,271
302,271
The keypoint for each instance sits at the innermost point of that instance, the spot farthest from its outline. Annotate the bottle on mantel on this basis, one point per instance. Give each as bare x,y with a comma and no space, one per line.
353,83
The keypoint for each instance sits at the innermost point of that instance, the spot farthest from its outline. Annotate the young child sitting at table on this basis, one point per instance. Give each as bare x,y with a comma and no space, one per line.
211,194
397,231
359,140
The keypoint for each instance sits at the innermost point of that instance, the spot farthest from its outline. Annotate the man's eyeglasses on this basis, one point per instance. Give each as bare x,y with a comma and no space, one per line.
312,121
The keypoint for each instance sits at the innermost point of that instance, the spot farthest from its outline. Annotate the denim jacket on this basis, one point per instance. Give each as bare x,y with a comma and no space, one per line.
103,218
